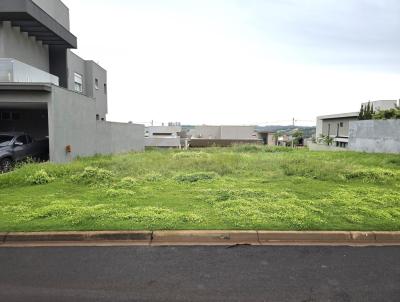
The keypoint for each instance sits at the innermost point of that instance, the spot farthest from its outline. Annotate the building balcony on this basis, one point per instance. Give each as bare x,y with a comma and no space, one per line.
14,71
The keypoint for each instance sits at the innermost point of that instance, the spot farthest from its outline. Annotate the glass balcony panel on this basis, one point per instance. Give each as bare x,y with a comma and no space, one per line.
14,71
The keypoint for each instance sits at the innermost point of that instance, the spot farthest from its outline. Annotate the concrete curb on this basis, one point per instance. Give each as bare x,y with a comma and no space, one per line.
205,237
136,236
165,238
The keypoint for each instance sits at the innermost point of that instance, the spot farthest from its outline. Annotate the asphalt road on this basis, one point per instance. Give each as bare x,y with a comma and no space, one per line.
243,273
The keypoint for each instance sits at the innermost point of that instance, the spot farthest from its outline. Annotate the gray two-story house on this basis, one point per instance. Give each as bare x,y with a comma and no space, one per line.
48,91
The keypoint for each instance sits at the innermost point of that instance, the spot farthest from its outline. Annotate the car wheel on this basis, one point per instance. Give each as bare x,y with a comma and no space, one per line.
5,165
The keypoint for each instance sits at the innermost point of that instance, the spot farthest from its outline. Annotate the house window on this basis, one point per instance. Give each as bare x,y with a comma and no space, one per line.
341,125
105,88
96,83
78,80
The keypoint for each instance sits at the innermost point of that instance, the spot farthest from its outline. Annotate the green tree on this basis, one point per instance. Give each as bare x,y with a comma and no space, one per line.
361,114
366,112
328,140
298,137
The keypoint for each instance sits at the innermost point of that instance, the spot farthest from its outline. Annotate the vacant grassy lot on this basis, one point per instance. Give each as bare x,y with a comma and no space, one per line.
245,187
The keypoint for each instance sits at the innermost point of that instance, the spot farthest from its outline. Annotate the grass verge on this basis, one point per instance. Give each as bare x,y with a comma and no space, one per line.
239,188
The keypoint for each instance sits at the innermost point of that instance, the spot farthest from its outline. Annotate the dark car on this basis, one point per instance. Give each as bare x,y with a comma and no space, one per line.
18,146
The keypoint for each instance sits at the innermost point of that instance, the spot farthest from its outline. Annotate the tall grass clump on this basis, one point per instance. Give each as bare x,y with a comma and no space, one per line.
372,175
92,175
40,177
195,177
312,168
243,148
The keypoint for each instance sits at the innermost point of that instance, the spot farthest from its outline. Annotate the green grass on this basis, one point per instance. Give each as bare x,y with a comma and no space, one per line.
244,187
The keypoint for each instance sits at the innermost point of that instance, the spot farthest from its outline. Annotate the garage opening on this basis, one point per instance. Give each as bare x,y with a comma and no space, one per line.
28,124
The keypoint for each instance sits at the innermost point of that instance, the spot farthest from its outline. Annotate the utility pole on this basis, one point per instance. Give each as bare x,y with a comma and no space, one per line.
294,122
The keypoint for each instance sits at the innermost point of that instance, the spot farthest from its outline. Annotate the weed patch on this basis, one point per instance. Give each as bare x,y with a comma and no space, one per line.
371,175
195,177
93,175
40,178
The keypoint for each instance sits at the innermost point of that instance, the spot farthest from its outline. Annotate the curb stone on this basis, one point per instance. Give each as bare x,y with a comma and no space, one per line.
388,237
206,237
139,236
201,238
302,236
363,237
3,238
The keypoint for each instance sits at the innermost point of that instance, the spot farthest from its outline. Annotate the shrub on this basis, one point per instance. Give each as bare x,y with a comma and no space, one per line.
195,177
93,175
393,113
40,178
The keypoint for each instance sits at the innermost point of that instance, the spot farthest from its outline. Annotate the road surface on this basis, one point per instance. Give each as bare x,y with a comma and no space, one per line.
241,273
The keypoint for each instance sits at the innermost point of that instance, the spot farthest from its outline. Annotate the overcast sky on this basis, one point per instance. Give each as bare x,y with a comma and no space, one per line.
240,61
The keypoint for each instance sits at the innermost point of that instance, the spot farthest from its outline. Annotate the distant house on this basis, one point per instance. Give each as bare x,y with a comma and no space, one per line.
382,105
223,136
267,137
336,126
163,137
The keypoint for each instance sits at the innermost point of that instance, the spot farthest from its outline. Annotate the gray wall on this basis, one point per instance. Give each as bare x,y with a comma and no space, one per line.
224,132
93,72
56,9
206,132
17,45
76,64
343,131
162,142
90,71
118,137
381,136
238,132
72,121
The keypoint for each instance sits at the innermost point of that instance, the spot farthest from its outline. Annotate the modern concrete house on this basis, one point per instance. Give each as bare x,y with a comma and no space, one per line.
204,136
267,137
347,130
163,137
48,91
336,126
382,105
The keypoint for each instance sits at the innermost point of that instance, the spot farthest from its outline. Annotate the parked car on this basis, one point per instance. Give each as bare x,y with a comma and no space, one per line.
19,146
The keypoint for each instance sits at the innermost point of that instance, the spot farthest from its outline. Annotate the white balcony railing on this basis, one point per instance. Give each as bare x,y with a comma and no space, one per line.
14,71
